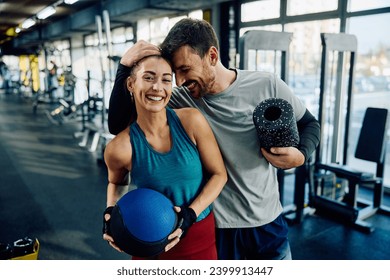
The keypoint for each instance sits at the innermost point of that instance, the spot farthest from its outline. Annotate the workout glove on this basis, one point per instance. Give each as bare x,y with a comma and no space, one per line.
106,223
187,218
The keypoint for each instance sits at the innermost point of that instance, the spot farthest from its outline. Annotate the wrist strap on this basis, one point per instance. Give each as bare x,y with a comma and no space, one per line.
106,223
187,219
108,210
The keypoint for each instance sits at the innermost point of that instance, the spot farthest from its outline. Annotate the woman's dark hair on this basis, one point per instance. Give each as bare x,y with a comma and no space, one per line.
198,34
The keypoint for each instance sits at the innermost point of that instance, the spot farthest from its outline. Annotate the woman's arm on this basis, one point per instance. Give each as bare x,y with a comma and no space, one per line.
117,156
199,130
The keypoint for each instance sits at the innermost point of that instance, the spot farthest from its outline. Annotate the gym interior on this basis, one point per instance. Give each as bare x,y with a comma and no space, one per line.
58,64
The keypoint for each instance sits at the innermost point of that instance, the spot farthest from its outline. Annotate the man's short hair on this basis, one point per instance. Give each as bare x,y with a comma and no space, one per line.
197,34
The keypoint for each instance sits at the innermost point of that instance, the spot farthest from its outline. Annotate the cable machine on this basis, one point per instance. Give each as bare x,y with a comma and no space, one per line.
334,185
100,133
335,48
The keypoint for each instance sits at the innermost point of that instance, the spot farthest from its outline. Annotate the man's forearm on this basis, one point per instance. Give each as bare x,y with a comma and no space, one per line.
309,133
119,110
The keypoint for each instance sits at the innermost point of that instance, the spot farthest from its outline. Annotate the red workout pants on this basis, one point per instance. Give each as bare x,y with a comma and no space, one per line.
198,244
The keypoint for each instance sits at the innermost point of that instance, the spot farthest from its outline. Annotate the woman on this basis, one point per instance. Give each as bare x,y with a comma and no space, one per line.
170,151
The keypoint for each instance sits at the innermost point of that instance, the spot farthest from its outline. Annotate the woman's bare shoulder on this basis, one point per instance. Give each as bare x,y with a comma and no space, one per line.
119,148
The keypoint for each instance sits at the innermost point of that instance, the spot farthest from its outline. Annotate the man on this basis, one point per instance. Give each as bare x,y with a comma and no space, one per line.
248,211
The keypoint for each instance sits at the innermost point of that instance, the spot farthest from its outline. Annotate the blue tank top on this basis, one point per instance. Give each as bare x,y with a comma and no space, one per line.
178,173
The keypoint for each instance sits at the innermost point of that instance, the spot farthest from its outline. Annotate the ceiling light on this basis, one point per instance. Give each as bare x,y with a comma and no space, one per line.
70,2
28,23
46,12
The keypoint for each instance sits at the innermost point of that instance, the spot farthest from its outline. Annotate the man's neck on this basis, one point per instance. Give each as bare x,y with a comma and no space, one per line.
225,77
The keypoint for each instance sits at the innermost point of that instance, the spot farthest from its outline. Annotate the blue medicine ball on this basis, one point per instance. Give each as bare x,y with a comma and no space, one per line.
141,222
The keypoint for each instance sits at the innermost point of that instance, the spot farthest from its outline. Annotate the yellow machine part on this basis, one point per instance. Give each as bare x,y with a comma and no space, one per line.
33,255
29,71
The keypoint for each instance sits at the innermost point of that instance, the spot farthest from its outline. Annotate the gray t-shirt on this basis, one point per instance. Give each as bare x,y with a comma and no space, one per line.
250,197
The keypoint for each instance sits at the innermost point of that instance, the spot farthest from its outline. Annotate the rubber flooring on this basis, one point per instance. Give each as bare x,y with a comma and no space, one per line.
51,189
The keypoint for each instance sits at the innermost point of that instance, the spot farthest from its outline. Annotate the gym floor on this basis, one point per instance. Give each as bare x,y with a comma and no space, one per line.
54,190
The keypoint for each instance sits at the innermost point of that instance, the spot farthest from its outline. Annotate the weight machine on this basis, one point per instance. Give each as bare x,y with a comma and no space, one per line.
100,134
334,185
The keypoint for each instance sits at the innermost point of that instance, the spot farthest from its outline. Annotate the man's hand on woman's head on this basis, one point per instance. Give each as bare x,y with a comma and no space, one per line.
139,50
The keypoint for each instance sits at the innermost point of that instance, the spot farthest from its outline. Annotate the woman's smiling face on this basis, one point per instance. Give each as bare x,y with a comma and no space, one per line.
151,84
